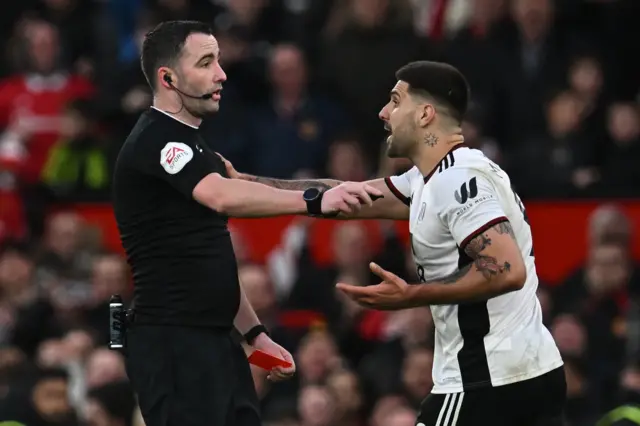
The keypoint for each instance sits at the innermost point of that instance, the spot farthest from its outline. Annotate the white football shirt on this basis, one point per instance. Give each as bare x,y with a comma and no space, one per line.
490,343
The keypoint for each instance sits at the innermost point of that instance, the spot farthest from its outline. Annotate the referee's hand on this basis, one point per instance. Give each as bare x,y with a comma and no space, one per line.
265,344
349,197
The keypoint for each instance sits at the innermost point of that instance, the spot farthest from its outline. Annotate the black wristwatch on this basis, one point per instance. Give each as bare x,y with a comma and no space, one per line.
255,331
313,198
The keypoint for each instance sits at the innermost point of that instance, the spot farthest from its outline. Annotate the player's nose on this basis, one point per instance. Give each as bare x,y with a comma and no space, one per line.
383,114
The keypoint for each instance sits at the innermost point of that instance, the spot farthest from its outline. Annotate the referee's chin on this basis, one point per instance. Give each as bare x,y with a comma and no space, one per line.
212,108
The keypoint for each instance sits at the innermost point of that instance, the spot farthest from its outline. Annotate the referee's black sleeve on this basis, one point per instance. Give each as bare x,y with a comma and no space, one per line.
181,164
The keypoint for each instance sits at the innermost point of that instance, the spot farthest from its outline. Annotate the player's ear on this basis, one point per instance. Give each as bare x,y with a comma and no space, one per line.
426,114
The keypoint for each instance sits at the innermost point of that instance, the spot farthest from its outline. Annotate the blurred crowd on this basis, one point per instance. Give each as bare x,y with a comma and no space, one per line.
555,101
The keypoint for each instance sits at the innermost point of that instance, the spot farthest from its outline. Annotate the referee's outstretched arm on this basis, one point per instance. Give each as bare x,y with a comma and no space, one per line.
239,198
393,204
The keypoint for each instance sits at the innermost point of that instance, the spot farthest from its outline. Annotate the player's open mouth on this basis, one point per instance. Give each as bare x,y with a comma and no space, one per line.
217,95
387,127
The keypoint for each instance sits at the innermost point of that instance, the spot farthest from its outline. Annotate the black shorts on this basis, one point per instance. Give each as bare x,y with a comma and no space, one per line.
187,376
534,402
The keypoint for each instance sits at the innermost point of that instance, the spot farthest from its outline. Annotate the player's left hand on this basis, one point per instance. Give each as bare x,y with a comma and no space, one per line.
265,344
390,294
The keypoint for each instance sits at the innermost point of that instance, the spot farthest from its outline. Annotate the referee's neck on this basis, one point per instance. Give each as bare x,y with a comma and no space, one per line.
176,111
429,155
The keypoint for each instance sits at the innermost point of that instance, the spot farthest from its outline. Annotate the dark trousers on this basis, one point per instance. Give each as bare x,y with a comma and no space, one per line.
534,402
186,376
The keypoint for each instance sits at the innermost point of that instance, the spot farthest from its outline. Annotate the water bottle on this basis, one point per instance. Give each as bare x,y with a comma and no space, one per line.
117,318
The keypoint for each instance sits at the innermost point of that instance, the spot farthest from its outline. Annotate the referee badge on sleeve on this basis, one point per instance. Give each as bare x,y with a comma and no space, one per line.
174,156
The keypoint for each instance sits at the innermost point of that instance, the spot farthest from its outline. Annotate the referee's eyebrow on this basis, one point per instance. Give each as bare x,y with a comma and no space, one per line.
206,56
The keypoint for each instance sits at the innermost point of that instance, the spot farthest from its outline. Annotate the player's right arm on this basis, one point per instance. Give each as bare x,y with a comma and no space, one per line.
395,190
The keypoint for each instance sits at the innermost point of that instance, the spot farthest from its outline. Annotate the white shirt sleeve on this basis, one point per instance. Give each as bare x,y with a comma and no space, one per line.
401,185
467,203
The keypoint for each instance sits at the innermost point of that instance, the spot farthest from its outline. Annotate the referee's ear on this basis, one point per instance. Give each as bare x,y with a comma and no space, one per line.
165,78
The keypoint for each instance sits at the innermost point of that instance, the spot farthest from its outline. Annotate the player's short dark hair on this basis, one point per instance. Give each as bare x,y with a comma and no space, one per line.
163,45
439,81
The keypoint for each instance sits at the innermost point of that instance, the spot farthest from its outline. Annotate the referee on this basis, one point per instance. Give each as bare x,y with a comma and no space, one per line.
172,198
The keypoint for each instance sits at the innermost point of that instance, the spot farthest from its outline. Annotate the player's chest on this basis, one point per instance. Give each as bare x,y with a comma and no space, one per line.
431,241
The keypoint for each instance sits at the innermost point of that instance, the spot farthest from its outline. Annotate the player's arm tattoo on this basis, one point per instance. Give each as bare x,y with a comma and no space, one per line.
293,185
457,275
488,266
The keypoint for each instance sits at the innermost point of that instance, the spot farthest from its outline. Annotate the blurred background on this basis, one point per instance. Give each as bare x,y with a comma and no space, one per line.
555,88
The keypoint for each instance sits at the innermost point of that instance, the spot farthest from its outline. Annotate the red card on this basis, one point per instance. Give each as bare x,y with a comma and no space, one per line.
267,361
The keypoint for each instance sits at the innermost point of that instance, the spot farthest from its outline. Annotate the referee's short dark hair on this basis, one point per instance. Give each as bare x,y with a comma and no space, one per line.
438,81
163,45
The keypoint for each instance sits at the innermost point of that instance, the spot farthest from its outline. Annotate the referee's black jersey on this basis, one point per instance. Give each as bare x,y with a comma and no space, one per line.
180,252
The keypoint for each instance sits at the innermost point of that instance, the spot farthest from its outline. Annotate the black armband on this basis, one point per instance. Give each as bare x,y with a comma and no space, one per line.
255,331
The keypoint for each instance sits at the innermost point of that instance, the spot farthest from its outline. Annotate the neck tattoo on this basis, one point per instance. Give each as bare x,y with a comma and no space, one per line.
430,139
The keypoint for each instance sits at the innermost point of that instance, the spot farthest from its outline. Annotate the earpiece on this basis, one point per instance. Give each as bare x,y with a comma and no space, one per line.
167,78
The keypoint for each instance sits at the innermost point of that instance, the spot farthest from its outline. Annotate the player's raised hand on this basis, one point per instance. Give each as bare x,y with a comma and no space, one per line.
390,294
348,197
231,171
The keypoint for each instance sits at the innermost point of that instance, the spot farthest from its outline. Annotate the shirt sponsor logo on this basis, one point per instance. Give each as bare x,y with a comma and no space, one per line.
174,156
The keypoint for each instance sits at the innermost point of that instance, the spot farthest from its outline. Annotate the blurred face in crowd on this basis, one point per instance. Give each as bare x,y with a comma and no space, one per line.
73,125
624,123
104,366
346,161
563,114
346,388
257,286
533,17
369,13
109,276
246,11
586,77
43,46
608,223
351,244
317,355
416,373
608,268
63,234
418,324
16,271
403,119
50,399
569,335
316,406
288,71
198,72
79,344
383,407
487,11
401,417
